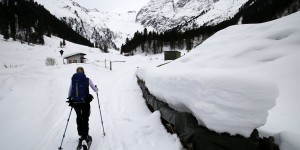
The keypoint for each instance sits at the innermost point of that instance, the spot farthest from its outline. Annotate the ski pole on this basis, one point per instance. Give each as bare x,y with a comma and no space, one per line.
60,148
100,113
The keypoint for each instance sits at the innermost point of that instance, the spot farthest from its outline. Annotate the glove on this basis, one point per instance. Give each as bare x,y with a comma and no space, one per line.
90,97
96,88
71,104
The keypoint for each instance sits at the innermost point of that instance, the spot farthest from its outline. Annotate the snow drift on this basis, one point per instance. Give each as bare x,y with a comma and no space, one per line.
230,81
224,101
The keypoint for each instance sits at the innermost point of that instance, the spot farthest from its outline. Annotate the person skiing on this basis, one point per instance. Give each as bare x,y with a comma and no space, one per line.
79,99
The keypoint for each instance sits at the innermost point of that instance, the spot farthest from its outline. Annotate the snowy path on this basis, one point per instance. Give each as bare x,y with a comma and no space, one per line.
34,111
127,121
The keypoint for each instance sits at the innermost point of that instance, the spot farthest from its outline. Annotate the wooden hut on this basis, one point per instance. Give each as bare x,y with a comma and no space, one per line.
75,58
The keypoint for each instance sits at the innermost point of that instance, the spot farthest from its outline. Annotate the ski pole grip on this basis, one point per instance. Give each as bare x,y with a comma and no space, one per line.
97,89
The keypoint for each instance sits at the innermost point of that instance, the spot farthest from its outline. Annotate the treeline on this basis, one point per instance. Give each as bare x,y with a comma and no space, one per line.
254,11
27,21
154,42
258,11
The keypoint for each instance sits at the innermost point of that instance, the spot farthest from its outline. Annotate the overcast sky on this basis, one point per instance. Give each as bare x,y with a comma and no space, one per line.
113,5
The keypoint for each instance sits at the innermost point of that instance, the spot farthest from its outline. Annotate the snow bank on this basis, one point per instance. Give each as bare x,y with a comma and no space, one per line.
233,79
225,101
287,141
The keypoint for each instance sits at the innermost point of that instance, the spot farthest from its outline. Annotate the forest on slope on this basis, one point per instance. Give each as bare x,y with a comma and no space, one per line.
254,11
28,21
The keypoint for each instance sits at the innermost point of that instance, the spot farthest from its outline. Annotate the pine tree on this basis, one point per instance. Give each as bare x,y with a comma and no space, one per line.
64,43
143,46
122,49
188,44
145,32
41,40
5,34
105,48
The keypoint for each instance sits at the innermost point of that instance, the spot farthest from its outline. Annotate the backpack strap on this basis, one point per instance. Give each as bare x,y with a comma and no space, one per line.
87,86
89,97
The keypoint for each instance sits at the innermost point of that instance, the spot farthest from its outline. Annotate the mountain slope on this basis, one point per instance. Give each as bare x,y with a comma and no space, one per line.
28,22
102,28
166,14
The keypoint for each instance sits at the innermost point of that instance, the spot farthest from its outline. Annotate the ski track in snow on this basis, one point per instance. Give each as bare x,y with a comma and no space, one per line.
123,123
34,109
117,113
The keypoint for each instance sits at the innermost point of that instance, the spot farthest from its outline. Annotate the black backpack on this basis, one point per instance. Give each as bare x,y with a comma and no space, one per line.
80,87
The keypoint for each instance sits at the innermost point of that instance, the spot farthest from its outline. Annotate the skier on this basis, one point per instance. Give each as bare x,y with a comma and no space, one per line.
79,99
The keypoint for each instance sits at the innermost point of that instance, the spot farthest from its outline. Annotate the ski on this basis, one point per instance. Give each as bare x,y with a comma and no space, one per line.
79,146
86,146
83,144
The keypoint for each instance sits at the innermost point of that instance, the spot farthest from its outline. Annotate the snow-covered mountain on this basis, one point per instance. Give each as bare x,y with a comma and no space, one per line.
111,29
102,28
167,14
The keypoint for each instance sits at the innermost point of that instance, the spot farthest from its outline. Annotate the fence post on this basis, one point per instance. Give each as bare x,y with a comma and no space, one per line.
110,65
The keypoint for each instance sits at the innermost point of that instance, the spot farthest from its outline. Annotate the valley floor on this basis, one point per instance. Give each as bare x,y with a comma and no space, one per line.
34,113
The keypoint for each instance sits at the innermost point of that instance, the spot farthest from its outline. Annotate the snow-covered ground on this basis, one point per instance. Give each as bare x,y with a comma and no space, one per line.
34,113
232,81
249,66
